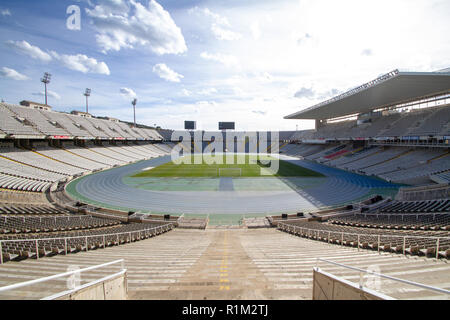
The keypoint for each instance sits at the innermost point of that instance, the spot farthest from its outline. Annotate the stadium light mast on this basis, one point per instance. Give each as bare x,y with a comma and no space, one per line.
134,102
87,94
46,80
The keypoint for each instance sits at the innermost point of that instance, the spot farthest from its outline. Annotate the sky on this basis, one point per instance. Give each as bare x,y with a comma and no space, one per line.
252,62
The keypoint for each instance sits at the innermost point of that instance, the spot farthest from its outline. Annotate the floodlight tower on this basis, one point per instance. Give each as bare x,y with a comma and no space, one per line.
134,102
87,94
46,80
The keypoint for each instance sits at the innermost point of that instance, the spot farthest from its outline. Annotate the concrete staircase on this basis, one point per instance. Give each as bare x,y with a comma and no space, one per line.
227,264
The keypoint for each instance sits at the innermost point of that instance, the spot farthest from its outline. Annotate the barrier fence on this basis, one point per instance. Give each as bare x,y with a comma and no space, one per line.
81,243
431,245
67,274
380,275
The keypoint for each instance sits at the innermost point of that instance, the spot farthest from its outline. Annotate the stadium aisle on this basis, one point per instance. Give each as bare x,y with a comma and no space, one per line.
228,264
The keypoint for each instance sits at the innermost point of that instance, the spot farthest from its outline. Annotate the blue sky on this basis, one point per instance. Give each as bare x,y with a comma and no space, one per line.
252,62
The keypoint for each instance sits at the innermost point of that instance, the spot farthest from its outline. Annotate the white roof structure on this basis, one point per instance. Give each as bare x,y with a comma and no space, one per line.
393,88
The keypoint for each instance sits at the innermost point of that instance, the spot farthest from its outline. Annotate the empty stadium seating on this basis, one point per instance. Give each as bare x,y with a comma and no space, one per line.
406,241
37,168
396,164
420,122
19,120
70,236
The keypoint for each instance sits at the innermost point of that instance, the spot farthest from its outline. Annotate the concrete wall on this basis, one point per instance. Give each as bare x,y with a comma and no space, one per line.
115,288
329,287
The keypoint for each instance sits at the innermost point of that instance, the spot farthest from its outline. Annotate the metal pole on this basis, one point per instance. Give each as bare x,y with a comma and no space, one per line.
358,242
37,251
342,239
65,245
437,248
45,84
378,244
86,245
404,245
361,280
104,243
1,253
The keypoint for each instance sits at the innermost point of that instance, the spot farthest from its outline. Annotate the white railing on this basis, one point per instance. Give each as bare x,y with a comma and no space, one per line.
403,239
66,274
85,239
24,218
362,272
401,215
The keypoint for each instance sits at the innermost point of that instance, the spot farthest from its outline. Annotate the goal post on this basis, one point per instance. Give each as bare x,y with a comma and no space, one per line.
229,172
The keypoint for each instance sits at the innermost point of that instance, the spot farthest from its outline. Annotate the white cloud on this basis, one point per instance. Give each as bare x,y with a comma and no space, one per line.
220,26
305,93
81,63
259,112
208,91
224,34
256,30
5,12
208,13
304,38
29,50
186,92
12,74
367,52
227,60
164,72
78,62
49,94
206,103
128,93
151,27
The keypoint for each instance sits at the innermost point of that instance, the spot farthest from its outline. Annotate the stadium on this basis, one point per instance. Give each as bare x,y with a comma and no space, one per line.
358,208
368,189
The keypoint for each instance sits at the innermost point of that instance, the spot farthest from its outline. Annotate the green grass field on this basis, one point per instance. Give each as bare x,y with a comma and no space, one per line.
247,169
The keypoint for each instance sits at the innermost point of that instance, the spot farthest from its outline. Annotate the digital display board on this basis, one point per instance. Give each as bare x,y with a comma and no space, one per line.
227,126
190,125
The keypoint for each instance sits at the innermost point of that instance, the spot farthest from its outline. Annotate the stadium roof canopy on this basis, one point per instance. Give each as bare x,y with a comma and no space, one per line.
390,89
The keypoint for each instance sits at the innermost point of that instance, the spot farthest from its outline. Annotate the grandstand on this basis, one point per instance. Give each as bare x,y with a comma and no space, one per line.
68,194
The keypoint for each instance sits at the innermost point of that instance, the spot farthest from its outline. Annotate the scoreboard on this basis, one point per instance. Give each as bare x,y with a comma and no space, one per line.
227,126
190,125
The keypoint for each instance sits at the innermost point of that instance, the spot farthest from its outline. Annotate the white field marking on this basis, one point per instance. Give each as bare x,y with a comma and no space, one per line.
151,288
292,286
375,260
337,271
415,272
305,268
272,276
166,274
149,168
153,281
414,289
295,280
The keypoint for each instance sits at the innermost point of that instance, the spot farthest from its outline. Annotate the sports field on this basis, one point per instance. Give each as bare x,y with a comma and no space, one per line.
240,166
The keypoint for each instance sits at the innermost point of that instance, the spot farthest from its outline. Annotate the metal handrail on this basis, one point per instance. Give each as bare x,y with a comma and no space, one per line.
412,214
36,241
424,286
47,217
364,234
437,239
64,293
83,237
69,273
